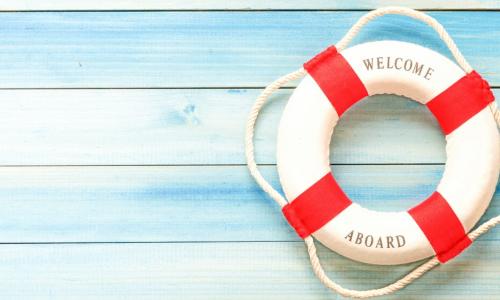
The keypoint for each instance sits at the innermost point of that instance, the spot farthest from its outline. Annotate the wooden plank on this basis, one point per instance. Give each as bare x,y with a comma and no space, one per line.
183,204
196,126
206,49
224,271
57,5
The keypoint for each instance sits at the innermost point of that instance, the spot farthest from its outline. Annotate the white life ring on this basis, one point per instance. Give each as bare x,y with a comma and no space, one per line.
438,225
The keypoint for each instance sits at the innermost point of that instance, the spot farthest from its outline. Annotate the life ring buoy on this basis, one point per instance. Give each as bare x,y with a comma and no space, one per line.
318,206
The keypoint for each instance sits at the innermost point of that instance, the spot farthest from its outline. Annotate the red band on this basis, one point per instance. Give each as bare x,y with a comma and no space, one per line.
441,226
337,79
315,207
461,101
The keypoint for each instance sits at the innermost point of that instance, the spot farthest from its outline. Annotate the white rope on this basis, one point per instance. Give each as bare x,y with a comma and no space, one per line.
395,286
409,13
311,248
496,112
249,149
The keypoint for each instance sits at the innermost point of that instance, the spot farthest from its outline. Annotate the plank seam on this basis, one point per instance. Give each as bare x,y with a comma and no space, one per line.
158,88
212,165
173,242
451,10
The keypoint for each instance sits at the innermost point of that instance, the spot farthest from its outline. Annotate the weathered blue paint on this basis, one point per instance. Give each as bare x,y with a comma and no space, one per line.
206,49
181,203
183,127
187,221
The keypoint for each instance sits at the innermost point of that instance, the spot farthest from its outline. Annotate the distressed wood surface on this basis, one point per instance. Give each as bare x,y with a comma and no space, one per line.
121,153
206,49
224,271
195,126
62,5
182,203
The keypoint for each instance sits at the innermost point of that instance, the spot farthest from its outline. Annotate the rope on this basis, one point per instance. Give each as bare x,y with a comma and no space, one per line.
309,241
412,14
496,112
395,286
249,148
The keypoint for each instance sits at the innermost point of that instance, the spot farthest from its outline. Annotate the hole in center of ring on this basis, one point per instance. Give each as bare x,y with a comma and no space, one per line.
387,153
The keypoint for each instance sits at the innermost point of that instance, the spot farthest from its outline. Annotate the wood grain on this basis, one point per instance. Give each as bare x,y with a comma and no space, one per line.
195,126
183,203
224,271
121,153
30,5
206,49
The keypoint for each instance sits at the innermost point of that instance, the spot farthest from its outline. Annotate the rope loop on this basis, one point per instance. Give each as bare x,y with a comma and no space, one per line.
309,241
415,14
496,112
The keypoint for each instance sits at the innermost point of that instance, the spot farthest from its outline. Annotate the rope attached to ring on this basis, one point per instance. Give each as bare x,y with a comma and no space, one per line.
309,241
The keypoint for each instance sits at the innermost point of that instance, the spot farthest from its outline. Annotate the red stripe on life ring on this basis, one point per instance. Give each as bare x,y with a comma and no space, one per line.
441,226
315,207
461,101
337,79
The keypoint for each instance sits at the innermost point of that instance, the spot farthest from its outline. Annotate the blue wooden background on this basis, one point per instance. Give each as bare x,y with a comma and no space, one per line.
122,173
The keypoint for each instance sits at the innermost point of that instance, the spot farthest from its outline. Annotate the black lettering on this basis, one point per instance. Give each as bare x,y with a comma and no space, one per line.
398,63
418,68
359,238
380,62
408,64
368,64
400,60
401,240
368,241
349,236
389,63
390,241
428,73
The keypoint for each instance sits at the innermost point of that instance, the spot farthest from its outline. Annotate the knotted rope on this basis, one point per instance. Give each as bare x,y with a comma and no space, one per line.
311,248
